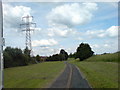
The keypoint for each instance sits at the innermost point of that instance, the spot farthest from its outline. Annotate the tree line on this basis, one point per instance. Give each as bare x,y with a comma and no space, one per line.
63,55
16,57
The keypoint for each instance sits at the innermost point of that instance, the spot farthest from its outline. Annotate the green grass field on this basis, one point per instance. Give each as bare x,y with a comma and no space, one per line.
32,76
101,71
105,58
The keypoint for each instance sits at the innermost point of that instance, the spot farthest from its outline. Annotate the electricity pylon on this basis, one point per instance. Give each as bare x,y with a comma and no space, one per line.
28,26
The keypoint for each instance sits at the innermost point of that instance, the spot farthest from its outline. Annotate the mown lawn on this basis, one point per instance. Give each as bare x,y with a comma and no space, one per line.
100,71
33,76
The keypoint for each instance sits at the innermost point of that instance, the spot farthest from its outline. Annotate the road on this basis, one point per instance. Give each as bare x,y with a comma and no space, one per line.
71,77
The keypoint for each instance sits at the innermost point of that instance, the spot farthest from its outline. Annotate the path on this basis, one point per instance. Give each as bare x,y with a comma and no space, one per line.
70,78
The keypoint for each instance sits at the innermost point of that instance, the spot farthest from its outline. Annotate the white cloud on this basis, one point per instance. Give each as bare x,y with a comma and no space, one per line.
95,33
54,31
45,51
12,15
72,14
105,46
110,32
95,46
44,42
79,38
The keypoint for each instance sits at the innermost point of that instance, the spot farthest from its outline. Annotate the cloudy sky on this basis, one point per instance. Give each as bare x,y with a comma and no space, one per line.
63,26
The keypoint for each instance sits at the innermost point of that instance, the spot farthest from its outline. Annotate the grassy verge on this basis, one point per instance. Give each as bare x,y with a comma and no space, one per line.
100,72
33,76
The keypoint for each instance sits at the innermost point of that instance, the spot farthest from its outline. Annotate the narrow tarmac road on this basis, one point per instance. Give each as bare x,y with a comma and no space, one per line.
70,78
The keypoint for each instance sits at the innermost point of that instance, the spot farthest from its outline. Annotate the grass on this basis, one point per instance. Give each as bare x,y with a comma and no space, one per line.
105,58
33,76
101,71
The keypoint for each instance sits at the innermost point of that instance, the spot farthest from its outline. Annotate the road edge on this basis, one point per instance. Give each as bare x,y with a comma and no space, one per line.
70,76
49,85
82,75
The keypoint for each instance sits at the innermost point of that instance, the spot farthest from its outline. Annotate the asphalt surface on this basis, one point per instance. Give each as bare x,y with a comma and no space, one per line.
70,78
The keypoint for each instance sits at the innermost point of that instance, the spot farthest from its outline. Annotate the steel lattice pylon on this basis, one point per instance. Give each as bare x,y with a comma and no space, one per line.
27,28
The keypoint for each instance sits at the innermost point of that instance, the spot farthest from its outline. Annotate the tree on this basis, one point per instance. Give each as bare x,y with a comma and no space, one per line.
14,57
72,55
83,51
38,58
63,54
55,57
7,60
27,51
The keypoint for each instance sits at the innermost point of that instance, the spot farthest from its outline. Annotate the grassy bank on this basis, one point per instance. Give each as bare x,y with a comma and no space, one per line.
105,58
101,71
33,76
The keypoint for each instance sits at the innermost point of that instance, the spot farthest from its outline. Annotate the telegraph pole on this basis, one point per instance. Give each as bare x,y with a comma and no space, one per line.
27,28
1,45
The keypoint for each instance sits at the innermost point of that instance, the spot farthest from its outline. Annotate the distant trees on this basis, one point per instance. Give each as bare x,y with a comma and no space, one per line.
72,55
63,55
16,57
55,57
83,51
38,58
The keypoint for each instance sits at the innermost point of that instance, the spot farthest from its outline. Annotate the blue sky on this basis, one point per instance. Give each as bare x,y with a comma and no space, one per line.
63,26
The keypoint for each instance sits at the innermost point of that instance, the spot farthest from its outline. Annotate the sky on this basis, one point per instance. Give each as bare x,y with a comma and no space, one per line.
63,25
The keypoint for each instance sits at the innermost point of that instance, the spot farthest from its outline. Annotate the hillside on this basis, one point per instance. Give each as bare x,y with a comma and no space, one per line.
112,57
101,71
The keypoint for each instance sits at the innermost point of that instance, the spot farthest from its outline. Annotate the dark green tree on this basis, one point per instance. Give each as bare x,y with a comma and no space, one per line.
8,61
64,54
13,57
83,51
58,57
38,58
27,51
72,55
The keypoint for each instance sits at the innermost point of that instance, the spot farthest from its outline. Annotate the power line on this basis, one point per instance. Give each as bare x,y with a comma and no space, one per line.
28,26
